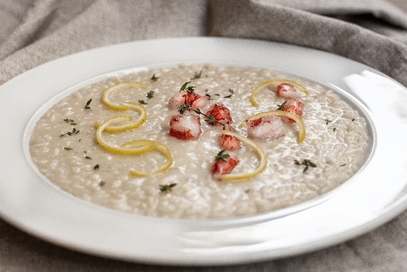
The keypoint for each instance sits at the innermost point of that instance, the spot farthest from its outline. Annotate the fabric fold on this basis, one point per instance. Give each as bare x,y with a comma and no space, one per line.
35,19
268,21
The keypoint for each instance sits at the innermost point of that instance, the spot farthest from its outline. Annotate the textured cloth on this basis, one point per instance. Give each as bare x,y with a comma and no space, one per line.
373,32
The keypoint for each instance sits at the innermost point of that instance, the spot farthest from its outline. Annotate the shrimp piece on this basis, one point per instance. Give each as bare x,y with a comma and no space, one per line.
219,112
284,90
196,101
185,126
229,142
294,106
266,128
224,166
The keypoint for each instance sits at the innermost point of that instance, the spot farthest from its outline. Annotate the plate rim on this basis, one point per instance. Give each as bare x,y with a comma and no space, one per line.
174,257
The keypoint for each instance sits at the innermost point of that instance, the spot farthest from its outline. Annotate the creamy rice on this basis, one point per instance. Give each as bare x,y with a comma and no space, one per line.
336,142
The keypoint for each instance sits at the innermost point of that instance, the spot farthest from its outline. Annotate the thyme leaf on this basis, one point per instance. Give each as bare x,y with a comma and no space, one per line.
142,102
154,78
87,107
231,93
210,119
222,156
167,187
184,108
150,94
280,107
70,121
70,133
306,163
187,88
197,75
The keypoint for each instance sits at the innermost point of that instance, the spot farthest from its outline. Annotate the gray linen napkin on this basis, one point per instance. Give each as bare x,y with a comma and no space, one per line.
263,19
370,31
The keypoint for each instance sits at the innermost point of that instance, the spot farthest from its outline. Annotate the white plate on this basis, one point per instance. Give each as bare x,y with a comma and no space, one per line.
376,194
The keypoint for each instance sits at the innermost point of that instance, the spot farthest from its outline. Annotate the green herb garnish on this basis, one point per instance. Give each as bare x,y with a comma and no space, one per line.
306,163
210,119
87,107
280,107
230,95
150,94
70,133
142,102
70,121
187,88
96,167
197,75
222,156
154,78
167,187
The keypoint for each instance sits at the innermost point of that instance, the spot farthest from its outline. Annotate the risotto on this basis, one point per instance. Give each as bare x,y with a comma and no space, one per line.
65,148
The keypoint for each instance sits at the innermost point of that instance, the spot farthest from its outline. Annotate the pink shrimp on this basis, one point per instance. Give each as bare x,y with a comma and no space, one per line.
265,128
196,101
219,112
229,142
185,126
224,166
294,106
284,90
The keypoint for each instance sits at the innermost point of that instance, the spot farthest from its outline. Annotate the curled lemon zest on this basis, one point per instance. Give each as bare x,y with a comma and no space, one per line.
160,147
260,153
108,91
296,118
143,147
272,81
141,120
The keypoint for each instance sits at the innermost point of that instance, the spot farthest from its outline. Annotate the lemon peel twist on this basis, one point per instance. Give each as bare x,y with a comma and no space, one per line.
144,146
260,153
253,100
141,120
160,147
296,118
108,91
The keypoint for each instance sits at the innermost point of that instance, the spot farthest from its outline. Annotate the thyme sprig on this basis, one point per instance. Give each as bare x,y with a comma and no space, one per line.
231,93
306,163
197,75
210,119
187,88
150,94
222,156
167,187
70,133
154,78
70,121
280,107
